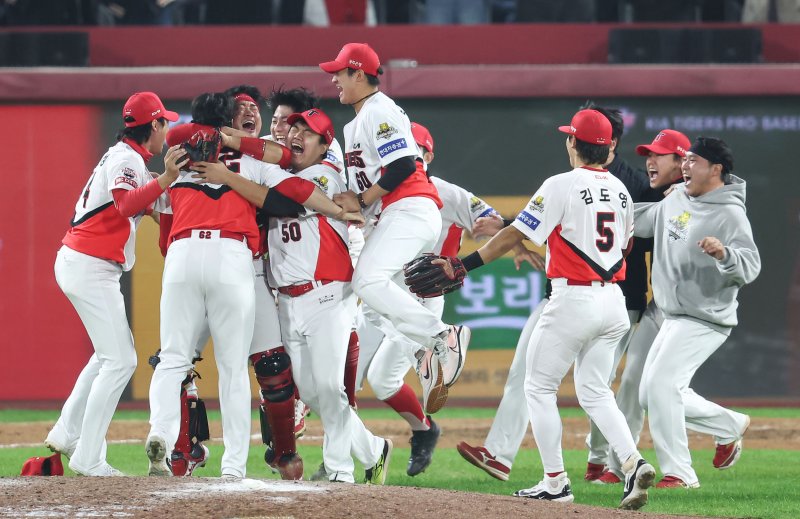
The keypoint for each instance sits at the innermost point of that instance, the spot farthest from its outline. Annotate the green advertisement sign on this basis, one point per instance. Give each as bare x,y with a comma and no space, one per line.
495,302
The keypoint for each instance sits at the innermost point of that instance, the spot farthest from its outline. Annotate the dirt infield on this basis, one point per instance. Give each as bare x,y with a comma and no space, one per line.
141,497
212,498
764,433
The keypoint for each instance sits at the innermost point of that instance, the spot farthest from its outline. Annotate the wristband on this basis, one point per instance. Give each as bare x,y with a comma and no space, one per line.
286,158
253,147
360,198
472,261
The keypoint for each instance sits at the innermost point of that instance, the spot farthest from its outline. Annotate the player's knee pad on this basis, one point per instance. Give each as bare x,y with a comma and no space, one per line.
274,374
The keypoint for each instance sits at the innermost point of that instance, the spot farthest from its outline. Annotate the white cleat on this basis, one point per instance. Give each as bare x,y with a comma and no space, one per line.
637,481
457,344
156,450
104,470
58,446
431,377
549,489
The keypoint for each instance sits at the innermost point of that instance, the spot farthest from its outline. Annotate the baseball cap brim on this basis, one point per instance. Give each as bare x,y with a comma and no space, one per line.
171,116
645,149
567,129
311,124
332,67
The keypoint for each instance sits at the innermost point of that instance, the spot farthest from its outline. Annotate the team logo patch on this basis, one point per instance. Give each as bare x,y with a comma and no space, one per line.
678,226
322,182
528,219
125,180
537,204
391,147
385,131
476,203
129,173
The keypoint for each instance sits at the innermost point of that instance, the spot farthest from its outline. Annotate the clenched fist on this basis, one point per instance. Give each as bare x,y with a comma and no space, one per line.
713,247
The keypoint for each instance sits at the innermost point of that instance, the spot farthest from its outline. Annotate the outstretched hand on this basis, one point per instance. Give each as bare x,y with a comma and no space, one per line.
211,173
523,255
347,200
487,226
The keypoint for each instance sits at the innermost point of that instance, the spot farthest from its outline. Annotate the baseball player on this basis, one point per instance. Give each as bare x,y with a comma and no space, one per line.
381,168
96,249
383,361
586,218
703,253
209,280
310,264
663,165
634,288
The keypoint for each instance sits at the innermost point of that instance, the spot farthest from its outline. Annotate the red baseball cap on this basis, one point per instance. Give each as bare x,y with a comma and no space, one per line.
317,121
144,107
356,56
422,136
666,143
589,126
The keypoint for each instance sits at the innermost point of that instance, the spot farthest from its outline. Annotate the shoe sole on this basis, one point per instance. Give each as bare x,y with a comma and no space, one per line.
638,497
737,452
386,459
601,482
502,476
55,447
437,396
156,452
464,344
566,499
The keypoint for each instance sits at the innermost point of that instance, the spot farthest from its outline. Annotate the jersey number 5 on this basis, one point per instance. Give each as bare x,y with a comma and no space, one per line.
606,242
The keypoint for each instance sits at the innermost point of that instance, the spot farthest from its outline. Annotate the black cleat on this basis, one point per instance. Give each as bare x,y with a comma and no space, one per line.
422,445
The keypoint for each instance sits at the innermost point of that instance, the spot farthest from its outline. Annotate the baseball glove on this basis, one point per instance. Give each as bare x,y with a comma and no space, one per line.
427,279
203,146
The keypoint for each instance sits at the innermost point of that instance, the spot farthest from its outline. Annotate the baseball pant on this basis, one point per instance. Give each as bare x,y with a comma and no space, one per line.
580,325
628,393
406,229
92,286
680,348
207,282
316,329
595,441
395,356
511,420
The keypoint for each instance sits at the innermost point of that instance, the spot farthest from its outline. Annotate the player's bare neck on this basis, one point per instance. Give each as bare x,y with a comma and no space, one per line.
360,103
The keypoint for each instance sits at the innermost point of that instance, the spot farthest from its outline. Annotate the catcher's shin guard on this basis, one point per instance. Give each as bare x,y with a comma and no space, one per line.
351,369
274,375
189,452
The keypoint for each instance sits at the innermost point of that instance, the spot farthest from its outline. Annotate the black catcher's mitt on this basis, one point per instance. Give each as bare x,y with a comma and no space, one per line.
426,279
203,146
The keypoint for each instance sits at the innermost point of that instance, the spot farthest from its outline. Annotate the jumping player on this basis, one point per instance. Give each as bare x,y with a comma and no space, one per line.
381,168
587,220
97,248
703,253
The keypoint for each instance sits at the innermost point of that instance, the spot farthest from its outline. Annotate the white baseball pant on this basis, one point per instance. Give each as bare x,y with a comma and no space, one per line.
511,420
595,441
207,281
406,229
92,286
680,348
580,325
628,392
316,329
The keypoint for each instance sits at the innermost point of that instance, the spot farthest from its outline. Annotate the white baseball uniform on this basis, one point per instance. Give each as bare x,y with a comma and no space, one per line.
311,266
386,361
209,281
97,249
586,218
409,222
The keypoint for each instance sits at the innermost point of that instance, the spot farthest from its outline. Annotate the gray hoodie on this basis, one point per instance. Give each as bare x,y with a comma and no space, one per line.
686,281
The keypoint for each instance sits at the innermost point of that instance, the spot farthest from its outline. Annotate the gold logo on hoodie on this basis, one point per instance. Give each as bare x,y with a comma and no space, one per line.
678,226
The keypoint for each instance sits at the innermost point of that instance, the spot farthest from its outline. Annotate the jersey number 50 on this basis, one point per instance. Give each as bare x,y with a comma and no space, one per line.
290,232
606,242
